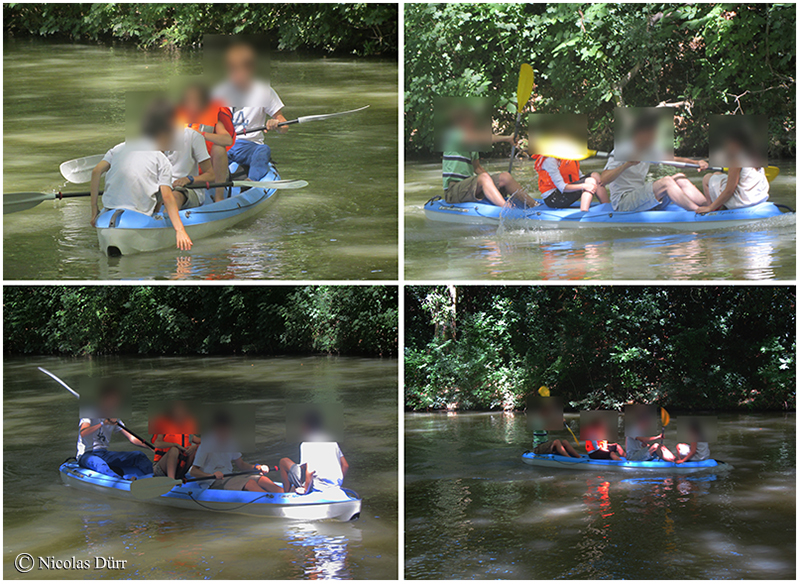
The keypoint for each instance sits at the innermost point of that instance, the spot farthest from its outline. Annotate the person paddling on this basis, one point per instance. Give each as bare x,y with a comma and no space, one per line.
542,412
217,455
463,177
254,104
627,181
139,174
94,436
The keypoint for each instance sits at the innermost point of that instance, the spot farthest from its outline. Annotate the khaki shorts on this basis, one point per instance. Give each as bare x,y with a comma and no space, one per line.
633,201
192,198
466,191
544,448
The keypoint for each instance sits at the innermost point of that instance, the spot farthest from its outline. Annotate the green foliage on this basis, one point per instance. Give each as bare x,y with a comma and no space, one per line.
186,320
691,348
589,58
361,29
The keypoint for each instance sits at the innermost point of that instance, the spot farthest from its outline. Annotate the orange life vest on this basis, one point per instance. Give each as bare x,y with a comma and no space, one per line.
172,434
570,171
216,112
592,445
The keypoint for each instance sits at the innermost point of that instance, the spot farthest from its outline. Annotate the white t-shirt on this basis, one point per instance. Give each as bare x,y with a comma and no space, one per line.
323,459
752,188
213,456
136,175
632,180
99,439
250,109
190,151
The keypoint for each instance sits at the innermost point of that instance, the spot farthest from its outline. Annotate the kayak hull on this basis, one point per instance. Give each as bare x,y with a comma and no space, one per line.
586,463
333,504
125,232
603,215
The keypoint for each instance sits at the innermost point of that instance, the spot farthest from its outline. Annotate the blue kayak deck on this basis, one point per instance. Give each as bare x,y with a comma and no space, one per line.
586,463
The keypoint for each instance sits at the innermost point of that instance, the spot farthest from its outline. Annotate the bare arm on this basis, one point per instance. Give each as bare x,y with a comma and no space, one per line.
610,175
476,164
171,205
272,124
345,466
726,194
98,171
206,175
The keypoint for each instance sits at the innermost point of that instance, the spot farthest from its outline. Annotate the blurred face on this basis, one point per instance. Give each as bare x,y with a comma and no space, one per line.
644,139
192,102
240,63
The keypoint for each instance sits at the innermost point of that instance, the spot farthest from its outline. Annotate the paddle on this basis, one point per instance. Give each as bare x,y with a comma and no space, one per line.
16,202
76,394
664,424
524,90
771,172
303,120
152,487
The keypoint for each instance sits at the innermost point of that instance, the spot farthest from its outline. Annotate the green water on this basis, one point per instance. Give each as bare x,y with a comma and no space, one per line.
43,517
433,250
65,101
473,510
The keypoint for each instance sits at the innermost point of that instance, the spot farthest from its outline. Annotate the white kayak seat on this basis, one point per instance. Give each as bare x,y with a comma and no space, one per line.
323,459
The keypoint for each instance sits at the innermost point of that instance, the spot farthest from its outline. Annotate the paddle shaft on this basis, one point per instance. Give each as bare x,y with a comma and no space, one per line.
225,476
301,120
76,394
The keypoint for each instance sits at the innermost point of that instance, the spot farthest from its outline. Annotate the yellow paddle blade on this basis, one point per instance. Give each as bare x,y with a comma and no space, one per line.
525,86
544,391
772,172
664,417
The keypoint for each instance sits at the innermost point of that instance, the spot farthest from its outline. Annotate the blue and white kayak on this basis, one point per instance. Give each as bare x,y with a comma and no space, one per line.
586,463
671,216
125,232
333,504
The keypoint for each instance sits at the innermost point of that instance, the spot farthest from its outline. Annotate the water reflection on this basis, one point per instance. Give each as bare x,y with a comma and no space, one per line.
323,552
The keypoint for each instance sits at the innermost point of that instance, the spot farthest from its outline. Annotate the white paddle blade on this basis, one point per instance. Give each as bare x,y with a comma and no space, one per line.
16,202
304,119
80,170
144,489
271,184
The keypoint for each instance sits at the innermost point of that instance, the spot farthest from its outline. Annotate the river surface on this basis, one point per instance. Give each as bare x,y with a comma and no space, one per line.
474,510
433,250
66,101
43,517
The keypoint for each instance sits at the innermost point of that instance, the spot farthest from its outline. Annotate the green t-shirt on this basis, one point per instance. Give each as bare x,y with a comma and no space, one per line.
539,437
456,164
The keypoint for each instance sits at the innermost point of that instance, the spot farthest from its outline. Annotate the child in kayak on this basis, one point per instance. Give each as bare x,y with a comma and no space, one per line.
640,443
214,122
463,177
254,104
176,441
743,186
561,183
597,447
697,449
322,464
627,181
216,456
94,436
140,174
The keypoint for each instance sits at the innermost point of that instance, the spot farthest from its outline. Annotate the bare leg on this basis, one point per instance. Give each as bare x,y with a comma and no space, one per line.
663,452
601,193
689,190
567,446
262,484
682,192
171,461
487,187
284,465
512,187
706,192
219,162
586,201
